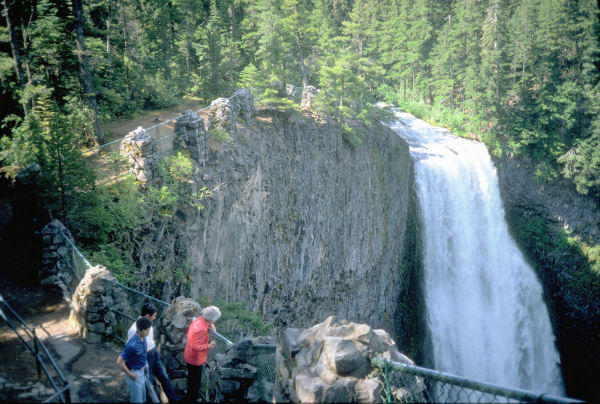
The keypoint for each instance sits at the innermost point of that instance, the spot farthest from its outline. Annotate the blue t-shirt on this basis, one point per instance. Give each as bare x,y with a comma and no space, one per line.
134,353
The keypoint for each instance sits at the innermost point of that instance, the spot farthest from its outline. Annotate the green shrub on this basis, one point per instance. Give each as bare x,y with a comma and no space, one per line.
220,135
237,321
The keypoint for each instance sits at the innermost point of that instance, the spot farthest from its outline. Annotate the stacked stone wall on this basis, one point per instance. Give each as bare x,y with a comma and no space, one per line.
142,154
190,134
58,267
90,308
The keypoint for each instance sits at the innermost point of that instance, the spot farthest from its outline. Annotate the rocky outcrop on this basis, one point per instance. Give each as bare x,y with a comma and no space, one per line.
308,95
243,106
331,362
142,154
542,215
301,224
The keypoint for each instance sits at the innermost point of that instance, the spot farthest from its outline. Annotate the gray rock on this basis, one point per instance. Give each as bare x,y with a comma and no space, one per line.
308,95
142,154
228,386
368,391
343,357
221,115
190,134
289,342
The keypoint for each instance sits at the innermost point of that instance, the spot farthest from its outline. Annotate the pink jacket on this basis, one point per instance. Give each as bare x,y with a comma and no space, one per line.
196,347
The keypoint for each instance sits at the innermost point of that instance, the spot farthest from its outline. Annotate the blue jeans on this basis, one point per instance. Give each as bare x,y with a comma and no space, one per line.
158,370
137,387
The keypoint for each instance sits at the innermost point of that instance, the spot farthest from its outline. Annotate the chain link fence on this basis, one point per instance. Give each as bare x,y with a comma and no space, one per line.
412,384
266,369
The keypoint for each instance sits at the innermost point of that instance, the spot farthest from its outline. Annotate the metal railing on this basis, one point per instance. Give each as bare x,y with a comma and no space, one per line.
408,383
41,354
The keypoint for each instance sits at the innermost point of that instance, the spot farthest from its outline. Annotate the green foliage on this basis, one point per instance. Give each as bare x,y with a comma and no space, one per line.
556,249
352,136
220,135
117,260
52,139
237,321
109,215
175,188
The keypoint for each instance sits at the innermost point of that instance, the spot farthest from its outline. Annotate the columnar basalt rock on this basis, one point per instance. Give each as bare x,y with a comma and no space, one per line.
142,154
190,134
331,362
57,259
92,301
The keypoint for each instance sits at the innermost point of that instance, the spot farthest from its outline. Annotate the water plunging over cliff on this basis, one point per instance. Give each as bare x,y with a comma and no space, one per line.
485,313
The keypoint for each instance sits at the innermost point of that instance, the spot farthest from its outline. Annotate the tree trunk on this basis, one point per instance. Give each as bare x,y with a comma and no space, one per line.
88,86
125,53
301,62
108,27
233,22
16,51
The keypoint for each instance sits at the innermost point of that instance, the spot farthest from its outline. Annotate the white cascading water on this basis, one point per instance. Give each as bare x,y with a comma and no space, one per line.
485,313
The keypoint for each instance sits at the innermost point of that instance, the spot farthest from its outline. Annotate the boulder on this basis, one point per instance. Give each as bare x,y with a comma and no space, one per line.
333,363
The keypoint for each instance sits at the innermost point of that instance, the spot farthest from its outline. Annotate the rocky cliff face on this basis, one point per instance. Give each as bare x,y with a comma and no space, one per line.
542,217
302,225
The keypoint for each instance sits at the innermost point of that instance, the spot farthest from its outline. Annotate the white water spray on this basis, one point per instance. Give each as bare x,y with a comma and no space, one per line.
485,311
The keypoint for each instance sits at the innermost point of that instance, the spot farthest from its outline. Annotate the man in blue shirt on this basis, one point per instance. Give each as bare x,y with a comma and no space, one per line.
132,361
155,365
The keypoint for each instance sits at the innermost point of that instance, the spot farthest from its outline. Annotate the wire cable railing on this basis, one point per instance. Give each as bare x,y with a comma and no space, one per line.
40,352
107,161
408,384
125,315
147,129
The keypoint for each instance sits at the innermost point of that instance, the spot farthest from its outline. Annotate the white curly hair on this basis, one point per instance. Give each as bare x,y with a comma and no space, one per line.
211,313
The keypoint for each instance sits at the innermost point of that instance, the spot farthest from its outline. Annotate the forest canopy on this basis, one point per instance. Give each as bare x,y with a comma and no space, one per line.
522,75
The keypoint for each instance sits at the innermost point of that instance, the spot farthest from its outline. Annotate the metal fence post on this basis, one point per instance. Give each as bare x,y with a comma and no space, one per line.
388,392
36,352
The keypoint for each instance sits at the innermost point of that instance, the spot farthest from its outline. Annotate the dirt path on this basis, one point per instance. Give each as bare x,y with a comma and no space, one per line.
121,127
90,369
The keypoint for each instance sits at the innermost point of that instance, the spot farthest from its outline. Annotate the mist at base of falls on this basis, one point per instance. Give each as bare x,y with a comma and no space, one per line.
485,313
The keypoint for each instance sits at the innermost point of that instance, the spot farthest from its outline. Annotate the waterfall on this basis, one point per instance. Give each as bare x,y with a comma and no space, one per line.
485,313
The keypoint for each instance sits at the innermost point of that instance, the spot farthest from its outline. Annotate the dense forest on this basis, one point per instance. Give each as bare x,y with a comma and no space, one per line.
522,75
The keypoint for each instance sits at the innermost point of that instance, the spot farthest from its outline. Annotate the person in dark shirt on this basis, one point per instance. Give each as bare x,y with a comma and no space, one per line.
132,361
155,365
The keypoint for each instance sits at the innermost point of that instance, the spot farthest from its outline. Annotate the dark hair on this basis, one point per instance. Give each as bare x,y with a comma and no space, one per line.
143,323
148,309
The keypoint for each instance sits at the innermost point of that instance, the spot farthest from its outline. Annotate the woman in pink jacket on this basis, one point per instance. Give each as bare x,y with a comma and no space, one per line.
196,349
